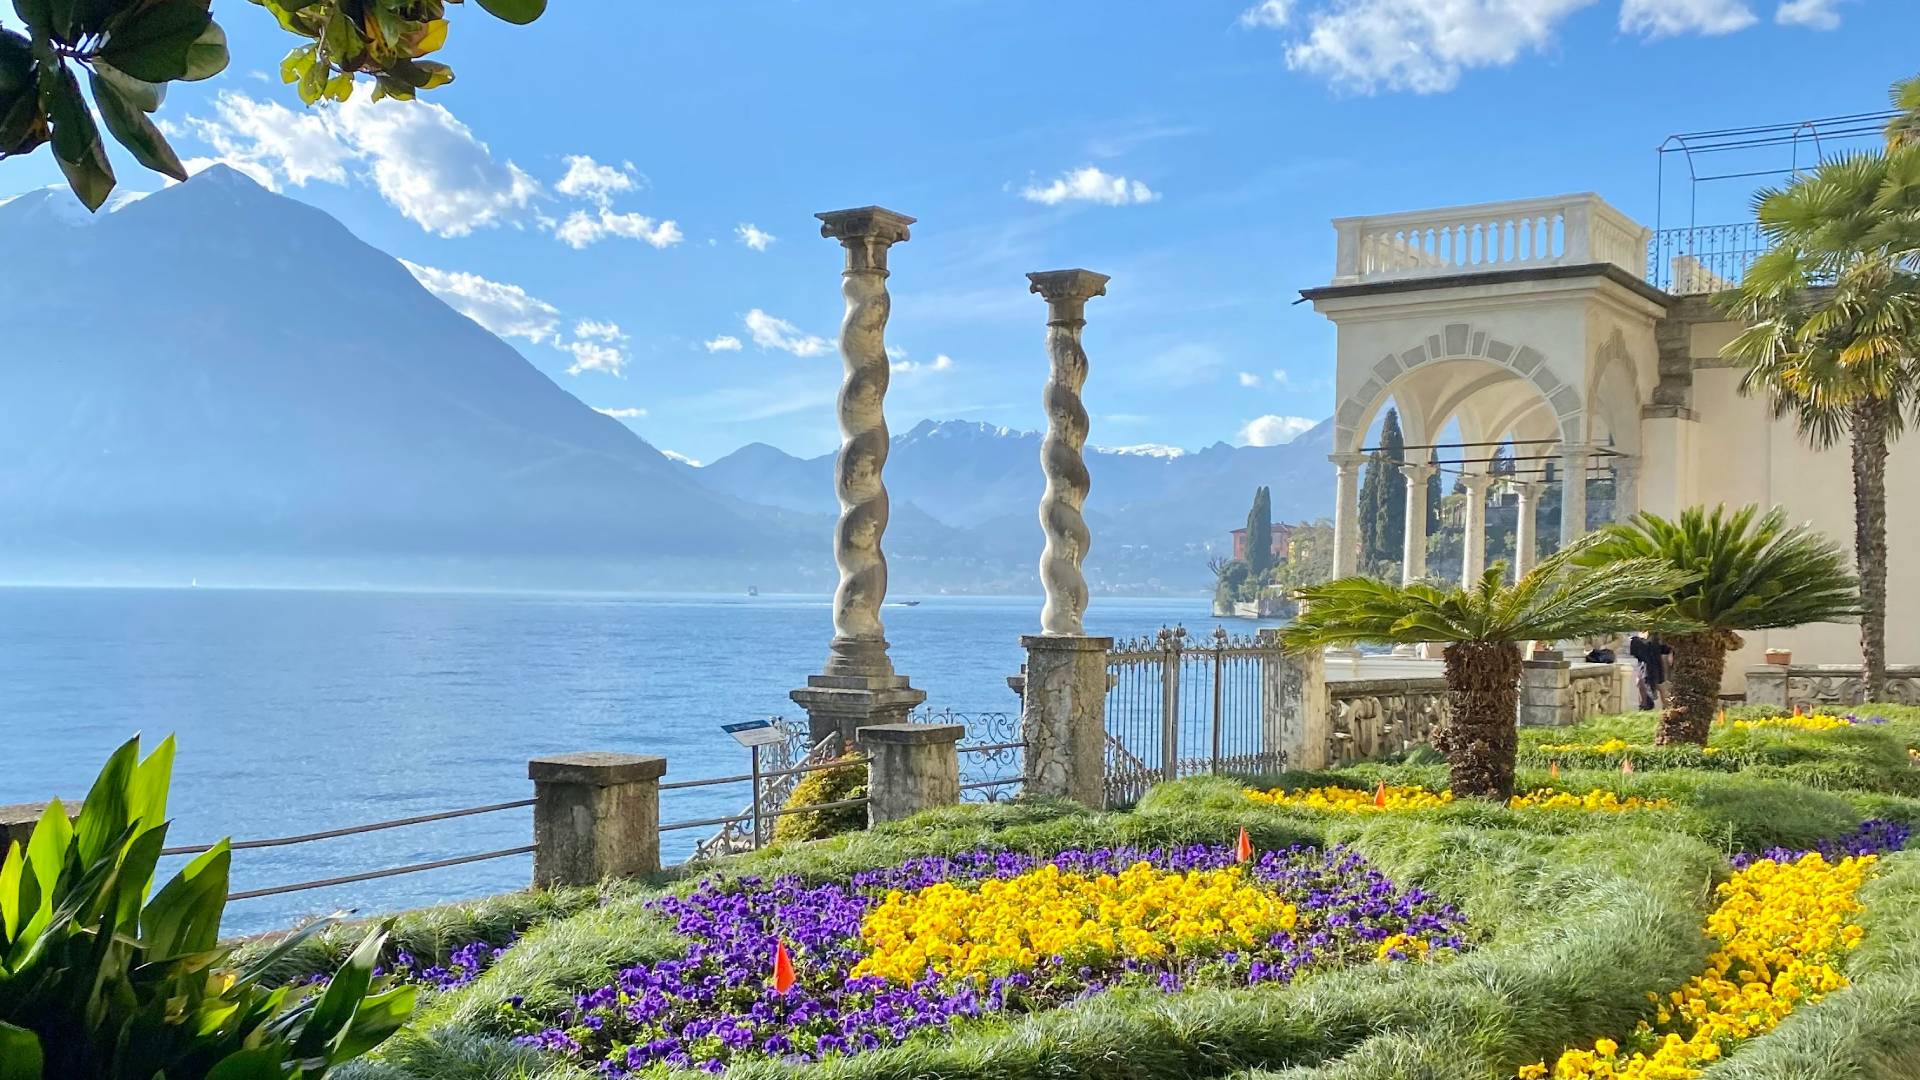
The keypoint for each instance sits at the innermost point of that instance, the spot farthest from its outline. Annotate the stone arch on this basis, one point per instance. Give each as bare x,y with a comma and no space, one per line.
1456,341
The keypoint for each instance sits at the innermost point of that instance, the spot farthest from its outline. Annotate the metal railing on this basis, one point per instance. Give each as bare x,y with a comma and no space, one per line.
1708,259
749,829
992,752
356,830
1179,707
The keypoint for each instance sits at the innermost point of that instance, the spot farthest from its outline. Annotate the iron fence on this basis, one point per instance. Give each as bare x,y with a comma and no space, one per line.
992,752
1176,708
1707,259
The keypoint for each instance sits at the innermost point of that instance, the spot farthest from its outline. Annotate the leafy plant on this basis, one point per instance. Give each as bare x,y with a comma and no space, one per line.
1750,572
130,50
1483,628
822,788
97,982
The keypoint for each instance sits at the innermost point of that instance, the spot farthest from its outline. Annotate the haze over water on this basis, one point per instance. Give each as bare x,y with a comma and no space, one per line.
298,711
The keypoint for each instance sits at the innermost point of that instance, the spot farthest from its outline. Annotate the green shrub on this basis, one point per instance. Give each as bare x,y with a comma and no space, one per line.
99,983
820,789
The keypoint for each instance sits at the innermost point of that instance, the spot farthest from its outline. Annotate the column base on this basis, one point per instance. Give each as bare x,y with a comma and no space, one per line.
1064,717
843,704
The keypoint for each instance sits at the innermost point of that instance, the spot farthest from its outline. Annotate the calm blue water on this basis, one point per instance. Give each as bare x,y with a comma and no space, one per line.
301,711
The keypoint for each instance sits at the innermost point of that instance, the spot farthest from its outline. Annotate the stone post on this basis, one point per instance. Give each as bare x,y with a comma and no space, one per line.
1525,535
1296,713
1767,685
1346,513
1473,546
18,820
1573,494
595,815
859,685
1413,553
910,768
1546,690
1067,539
1063,717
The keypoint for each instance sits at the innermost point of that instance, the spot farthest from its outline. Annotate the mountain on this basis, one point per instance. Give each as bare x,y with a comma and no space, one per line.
1157,513
215,377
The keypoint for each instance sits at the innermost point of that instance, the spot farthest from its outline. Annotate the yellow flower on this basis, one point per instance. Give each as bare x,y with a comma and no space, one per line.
1814,722
1599,800
1354,800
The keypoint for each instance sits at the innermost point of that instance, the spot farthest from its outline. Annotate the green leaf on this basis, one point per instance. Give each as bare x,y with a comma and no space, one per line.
185,916
146,95
132,129
13,881
37,14
313,82
20,1056
259,1063
296,63
378,1017
167,41
106,813
23,125
334,1012
47,855
521,12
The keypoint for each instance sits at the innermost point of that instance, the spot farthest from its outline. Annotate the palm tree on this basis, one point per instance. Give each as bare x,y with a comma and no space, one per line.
1482,628
1748,572
1833,309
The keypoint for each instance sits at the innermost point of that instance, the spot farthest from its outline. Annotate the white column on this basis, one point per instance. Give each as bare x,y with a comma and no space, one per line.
1626,487
859,641
1524,538
1413,555
1346,513
1573,493
1473,549
1067,539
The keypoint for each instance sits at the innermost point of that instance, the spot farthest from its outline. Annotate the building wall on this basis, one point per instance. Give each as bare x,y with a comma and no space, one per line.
1740,454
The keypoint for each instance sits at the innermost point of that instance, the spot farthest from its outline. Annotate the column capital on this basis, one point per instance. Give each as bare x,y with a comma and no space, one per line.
1526,489
1476,483
1348,462
1067,291
1418,473
1576,450
866,232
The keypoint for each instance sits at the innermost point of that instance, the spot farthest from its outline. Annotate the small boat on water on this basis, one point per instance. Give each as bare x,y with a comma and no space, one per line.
911,603
753,590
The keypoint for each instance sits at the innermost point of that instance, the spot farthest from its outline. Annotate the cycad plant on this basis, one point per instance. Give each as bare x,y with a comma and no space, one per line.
1749,572
1483,628
100,982
1833,338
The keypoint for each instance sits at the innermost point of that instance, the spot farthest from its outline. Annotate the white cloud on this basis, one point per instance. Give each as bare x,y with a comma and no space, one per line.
623,414
723,343
771,332
582,229
424,162
509,311
1273,430
1090,184
506,310
942,362
1281,378
1421,45
1818,14
753,236
1249,379
1664,18
590,180
675,455
1267,13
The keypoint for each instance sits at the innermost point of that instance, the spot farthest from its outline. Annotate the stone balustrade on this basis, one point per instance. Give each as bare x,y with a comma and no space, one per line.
1566,230
1371,717
1791,685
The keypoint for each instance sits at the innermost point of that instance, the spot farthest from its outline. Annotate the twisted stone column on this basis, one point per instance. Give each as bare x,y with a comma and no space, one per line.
859,641
1066,293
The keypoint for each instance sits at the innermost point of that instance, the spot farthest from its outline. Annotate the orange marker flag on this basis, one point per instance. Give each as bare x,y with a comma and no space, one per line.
1723,718
782,968
1380,795
1553,769
1626,766
1243,851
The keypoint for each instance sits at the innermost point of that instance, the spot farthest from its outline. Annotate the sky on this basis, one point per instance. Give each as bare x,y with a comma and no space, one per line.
625,191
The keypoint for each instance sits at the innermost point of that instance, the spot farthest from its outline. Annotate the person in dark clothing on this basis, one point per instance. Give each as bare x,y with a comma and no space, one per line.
1650,653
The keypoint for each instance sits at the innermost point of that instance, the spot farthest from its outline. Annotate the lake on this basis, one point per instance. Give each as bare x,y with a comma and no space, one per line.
298,711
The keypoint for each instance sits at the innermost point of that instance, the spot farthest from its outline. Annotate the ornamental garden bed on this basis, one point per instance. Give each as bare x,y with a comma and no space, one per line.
1662,922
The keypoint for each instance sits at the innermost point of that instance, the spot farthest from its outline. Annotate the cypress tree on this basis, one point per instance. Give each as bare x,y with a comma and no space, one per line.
1393,517
1260,534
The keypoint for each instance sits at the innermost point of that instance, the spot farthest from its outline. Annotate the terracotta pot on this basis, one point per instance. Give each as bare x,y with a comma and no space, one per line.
1780,657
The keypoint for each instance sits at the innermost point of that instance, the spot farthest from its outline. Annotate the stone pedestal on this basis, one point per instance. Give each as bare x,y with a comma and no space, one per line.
910,768
595,815
18,820
1767,685
1296,715
843,704
1064,717
1546,690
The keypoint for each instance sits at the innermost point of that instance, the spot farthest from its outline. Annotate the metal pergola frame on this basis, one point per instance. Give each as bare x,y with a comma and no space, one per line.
1697,149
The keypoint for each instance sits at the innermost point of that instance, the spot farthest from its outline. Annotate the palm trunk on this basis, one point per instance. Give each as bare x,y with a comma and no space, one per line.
1869,432
1483,704
1693,686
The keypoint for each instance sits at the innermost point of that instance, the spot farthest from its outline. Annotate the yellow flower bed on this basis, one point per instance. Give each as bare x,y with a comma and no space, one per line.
1813,722
997,926
1783,928
1353,800
1610,746
1415,797
1599,800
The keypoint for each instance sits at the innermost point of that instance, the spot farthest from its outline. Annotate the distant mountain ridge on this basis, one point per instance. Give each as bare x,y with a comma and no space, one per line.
219,382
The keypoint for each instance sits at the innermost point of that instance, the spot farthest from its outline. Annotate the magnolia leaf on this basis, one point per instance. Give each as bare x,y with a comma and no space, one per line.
340,87
146,96
432,38
23,124
296,63
132,129
166,41
521,12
